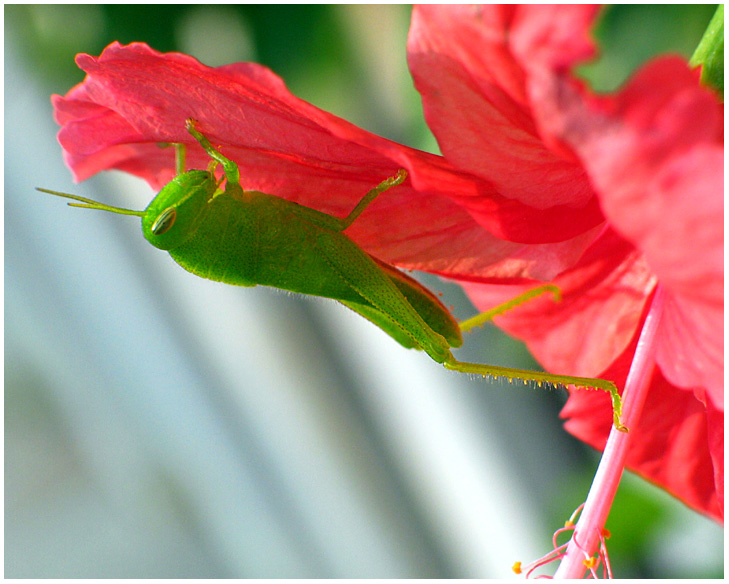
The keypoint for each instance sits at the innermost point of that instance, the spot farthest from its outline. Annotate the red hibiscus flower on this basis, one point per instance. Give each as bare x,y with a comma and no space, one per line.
653,156
540,180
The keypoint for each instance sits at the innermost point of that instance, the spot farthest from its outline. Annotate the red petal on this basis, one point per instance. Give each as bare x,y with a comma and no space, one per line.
678,444
476,103
134,97
603,296
655,154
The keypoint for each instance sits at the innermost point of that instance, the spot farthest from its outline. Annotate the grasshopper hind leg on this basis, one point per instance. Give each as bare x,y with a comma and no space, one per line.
538,377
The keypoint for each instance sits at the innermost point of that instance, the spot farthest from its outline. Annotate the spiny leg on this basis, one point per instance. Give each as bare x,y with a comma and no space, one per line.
231,168
180,155
371,196
484,317
232,174
539,377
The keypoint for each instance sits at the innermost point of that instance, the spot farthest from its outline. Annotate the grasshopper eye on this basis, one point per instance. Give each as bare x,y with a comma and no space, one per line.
164,221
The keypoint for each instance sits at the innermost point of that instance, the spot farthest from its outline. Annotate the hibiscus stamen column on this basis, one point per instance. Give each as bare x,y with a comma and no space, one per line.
589,528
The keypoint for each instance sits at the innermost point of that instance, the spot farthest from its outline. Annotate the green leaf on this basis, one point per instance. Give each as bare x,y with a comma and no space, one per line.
710,53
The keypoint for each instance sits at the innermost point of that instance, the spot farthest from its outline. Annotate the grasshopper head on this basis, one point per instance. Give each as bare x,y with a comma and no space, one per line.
178,209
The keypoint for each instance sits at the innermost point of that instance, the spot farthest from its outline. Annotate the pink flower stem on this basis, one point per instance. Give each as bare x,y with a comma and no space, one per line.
586,537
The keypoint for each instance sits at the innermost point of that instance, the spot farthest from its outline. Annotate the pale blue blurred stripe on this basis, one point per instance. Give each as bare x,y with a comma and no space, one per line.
199,429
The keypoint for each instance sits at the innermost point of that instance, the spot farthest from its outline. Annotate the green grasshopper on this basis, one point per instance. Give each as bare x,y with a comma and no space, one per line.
247,238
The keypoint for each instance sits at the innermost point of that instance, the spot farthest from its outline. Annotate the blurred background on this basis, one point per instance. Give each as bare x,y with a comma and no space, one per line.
158,425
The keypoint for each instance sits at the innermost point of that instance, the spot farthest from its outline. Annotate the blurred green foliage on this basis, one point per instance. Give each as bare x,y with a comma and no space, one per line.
630,35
